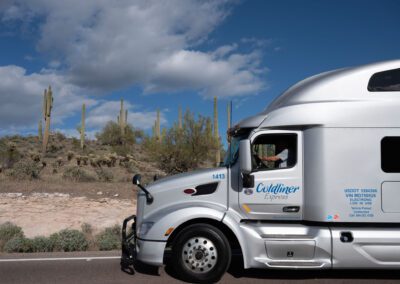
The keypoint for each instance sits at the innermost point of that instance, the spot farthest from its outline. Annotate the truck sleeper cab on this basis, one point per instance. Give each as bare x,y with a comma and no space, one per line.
312,182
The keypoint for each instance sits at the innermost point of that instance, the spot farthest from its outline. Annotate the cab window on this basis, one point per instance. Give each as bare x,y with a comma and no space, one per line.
386,81
274,151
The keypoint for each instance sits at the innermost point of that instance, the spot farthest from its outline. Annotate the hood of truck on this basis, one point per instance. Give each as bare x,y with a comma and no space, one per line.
189,179
206,188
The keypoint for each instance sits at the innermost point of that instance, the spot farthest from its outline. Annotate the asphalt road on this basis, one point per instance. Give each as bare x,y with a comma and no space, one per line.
99,267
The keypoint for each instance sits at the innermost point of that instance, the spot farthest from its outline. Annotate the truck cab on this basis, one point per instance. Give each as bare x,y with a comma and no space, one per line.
307,183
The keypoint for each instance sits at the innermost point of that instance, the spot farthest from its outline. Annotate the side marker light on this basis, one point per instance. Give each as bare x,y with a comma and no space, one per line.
246,208
169,231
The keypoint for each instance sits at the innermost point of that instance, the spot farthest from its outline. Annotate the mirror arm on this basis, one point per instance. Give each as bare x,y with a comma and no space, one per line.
136,180
149,197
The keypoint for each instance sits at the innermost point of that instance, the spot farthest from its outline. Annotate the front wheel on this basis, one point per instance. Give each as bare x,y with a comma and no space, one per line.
201,253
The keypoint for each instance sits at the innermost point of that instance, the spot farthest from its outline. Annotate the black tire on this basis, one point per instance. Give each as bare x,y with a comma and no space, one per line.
217,248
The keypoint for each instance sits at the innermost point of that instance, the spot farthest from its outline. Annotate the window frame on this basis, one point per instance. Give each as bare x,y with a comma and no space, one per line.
296,136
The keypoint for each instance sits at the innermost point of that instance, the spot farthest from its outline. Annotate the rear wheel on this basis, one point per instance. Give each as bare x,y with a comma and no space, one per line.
201,253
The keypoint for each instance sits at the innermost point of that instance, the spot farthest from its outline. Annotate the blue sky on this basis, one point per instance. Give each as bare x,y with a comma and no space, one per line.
165,54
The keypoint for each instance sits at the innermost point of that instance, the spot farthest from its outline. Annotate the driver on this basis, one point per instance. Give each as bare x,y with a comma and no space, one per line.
281,158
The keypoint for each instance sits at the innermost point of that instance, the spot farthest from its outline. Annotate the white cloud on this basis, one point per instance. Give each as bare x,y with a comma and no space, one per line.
108,45
21,98
209,73
109,110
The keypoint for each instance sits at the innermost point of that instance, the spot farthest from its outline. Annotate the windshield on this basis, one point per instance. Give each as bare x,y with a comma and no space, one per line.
233,151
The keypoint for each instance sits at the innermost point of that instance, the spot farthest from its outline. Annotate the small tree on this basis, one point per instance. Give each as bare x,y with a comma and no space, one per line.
185,148
111,134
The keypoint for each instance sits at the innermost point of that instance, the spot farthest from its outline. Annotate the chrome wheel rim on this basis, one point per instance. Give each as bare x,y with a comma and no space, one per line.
199,255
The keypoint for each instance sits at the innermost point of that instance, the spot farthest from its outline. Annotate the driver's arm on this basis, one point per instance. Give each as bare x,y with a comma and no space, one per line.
271,158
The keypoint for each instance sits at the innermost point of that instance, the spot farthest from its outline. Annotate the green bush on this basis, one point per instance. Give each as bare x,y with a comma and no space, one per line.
9,154
18,244
8,231
104,174
75,173
111,135
69,240
110,238
42,244
25,169
183,149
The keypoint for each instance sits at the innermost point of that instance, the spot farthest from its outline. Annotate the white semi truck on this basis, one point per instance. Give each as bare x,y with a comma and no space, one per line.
312,182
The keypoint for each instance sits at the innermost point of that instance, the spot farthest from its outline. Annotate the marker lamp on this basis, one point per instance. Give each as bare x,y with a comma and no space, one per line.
145,228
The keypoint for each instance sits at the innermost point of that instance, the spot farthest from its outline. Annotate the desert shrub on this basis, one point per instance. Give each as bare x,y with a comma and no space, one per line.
60,136
131,167
109,239
122,150
18,244
41,244
104,174
186,148
70,155
69,240
25,169
8,231
9,154
76,143
55,147
77,174
111,135
55,242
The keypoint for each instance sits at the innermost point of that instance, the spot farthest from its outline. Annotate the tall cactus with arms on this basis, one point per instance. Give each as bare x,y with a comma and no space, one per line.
47,106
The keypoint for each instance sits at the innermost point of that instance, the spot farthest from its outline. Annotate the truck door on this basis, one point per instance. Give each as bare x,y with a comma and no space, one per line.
274,188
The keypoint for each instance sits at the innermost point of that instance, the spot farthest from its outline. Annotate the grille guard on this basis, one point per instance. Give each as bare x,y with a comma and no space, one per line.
128,245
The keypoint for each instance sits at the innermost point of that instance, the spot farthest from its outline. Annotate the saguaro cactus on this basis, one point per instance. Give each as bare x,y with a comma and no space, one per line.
82,130
122,118
216,134
47,106
40,130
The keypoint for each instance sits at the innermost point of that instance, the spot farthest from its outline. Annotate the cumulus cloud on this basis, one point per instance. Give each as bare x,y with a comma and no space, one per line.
107,45
109,110
21,97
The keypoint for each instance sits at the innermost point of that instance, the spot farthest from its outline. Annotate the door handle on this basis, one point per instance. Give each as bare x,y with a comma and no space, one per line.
291,209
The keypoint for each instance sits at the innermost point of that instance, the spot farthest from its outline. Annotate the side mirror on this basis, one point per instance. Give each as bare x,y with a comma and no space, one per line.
136,179
245,156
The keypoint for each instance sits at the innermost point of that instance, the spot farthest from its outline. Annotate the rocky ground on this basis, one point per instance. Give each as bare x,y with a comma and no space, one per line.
50,202
41,208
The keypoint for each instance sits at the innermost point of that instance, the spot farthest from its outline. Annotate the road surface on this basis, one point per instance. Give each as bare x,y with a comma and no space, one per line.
103,267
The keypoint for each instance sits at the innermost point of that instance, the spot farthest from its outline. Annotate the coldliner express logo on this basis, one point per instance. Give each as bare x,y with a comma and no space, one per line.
277,191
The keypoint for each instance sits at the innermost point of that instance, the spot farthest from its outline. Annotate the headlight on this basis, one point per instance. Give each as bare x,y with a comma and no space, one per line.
145,228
